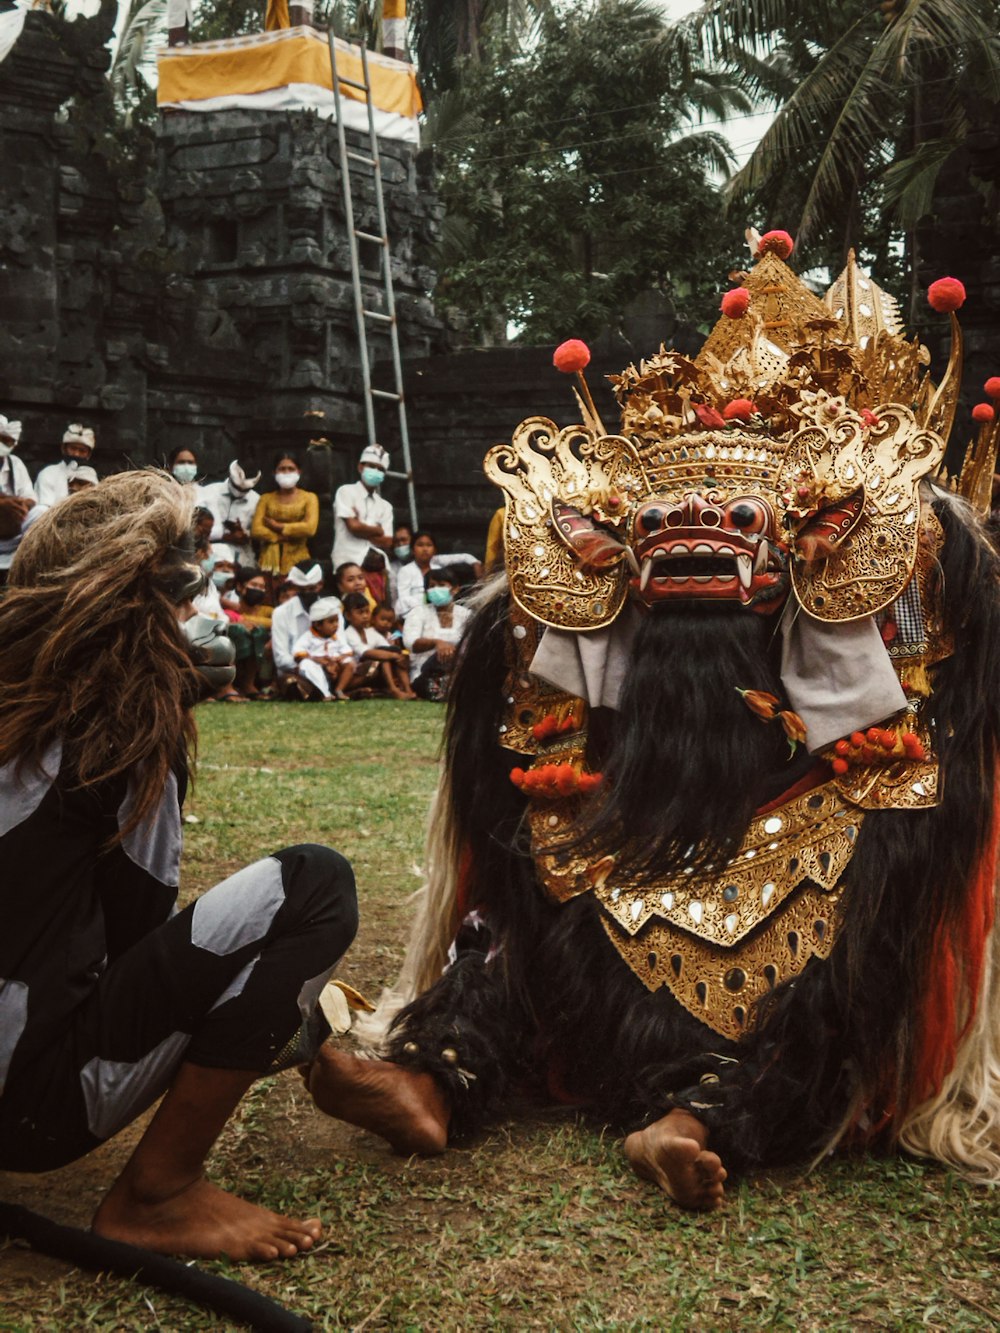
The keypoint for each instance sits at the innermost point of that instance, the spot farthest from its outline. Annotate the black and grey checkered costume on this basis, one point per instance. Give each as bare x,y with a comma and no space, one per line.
105,988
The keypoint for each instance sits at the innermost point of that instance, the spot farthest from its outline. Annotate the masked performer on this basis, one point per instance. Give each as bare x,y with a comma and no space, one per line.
109,997
716,841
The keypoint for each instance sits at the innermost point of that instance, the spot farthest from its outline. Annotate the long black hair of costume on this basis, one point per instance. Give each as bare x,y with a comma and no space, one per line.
688,762
861,1013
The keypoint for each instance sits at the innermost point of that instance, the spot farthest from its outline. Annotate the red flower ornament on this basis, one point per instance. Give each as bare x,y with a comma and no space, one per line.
740,409
571,356
775,243
983,412
735,303
946,295
992,387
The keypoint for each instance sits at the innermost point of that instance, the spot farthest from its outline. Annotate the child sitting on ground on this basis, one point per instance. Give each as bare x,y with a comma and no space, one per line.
385,622
324,657
373,650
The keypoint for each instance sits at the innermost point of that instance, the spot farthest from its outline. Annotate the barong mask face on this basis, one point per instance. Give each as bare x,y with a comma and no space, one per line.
781,457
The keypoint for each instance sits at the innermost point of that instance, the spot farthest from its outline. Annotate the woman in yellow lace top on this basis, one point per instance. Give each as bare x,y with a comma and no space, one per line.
285,519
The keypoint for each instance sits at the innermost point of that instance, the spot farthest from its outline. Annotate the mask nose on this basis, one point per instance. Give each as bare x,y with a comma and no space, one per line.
697,512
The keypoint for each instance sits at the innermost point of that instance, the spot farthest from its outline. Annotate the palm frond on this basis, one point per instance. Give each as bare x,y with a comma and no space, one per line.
135,59
795,130
710,148
909,183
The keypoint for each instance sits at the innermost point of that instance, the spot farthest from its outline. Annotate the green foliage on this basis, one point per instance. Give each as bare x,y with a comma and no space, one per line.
873,101
215,19
572,180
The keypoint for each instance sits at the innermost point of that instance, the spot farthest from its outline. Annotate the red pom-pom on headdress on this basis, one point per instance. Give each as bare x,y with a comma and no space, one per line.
740,409
983,412
735,303
775,243
992,387
945,295
571,356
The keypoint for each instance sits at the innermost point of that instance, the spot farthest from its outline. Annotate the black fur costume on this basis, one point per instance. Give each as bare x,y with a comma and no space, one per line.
555,997
855,1045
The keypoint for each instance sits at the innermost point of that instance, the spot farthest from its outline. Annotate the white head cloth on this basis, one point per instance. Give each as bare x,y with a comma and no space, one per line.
324,608
77,434
240,479
376,455
10,430
223,551
85,474
303,578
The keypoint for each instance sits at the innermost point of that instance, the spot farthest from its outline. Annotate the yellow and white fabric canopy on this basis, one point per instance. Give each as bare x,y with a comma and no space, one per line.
289,69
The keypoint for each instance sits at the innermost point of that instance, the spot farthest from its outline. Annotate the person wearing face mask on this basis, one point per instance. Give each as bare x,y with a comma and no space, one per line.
18,507
249,616
52,483
361,518
233,503
285,519
400,556
431,632
291,619
411,585
182,464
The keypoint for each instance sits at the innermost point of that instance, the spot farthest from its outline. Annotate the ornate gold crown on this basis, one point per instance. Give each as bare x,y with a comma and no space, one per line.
791,448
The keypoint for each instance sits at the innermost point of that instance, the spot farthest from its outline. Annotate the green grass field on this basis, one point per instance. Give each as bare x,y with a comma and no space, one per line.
538,1225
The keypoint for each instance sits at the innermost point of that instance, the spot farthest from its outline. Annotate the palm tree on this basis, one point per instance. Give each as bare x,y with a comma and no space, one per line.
870,97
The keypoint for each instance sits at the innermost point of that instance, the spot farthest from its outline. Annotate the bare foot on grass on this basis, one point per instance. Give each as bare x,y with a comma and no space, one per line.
402,1106
672,1153
201,1221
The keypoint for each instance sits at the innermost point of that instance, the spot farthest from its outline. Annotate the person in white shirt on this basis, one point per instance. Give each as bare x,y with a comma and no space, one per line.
411,578
361,518
52,483
323,657
233,503
387,663
431,632
18,506
291,619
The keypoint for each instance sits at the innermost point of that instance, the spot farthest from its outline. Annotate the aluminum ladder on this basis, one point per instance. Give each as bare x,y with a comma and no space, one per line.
364,316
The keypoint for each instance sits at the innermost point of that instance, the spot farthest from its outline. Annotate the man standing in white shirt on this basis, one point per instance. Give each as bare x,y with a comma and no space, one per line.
361,518
52,483
291,619
233,503
17,498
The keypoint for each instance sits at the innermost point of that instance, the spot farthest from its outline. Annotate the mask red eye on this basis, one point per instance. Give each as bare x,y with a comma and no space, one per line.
747,515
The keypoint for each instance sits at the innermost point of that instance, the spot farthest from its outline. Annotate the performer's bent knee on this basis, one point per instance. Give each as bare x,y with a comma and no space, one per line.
319,883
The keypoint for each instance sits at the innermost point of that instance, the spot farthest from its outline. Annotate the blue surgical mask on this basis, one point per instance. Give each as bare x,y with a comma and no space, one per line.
401,552
220,577
372,476
185,472
438,596
208,564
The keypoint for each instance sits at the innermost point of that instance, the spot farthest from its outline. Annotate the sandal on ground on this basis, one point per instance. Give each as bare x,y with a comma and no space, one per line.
232,697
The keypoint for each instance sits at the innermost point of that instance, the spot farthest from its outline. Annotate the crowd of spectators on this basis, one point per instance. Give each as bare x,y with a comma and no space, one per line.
385,621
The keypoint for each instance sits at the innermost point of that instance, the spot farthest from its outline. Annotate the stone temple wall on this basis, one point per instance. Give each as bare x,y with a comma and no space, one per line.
213,312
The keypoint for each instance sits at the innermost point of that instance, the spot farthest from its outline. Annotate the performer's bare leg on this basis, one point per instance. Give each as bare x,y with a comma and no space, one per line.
404,1107
162,1200
672,1153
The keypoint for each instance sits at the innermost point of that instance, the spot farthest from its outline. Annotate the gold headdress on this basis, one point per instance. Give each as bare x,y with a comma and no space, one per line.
821,410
